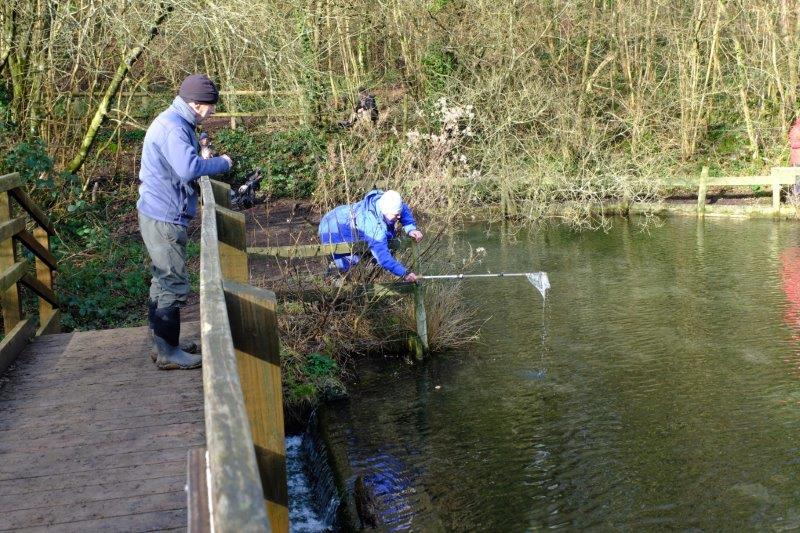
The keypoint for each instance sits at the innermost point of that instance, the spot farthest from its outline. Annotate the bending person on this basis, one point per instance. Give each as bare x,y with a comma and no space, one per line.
373,220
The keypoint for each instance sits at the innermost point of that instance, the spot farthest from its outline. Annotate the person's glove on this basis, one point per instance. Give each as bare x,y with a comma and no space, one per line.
410,277
415,234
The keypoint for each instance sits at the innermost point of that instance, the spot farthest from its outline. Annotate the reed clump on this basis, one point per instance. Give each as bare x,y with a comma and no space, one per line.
328,323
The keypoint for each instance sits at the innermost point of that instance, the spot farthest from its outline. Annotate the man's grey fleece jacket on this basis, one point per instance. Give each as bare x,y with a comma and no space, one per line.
171,164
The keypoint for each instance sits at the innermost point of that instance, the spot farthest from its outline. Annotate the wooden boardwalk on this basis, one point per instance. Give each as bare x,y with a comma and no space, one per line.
93,437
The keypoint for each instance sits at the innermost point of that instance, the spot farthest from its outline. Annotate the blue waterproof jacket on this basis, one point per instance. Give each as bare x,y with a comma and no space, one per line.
171,164
363,221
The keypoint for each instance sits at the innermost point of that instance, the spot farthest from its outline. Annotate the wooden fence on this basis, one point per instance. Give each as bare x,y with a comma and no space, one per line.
15,269
779,176
239,483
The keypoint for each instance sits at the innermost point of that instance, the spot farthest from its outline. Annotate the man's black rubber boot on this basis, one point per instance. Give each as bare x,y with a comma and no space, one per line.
166,332
187,346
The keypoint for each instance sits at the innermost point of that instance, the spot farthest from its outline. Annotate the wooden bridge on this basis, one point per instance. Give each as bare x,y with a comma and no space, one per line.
94,437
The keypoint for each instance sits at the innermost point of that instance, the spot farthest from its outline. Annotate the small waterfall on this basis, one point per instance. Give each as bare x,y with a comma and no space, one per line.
313,498
315,454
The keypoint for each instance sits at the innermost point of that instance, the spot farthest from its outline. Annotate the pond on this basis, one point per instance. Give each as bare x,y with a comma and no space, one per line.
658,388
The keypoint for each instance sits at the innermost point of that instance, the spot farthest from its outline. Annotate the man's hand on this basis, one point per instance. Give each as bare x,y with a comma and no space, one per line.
415,234
227,158
410,277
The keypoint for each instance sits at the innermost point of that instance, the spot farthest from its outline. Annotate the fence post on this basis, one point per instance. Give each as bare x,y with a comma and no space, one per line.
222,193
252,313
701,192
9,300
776,193
232,245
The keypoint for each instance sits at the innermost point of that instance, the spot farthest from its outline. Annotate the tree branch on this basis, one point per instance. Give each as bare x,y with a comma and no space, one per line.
122,71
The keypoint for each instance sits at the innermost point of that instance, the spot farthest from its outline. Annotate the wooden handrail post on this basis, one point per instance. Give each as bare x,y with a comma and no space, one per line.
222,193
9,300
48,317
253,318
701,192
199,519
232,245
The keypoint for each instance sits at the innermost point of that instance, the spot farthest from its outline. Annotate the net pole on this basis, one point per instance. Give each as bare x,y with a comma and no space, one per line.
467,276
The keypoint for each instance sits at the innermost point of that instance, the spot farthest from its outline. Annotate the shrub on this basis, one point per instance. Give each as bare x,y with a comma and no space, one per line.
327,323
29,158
99,287
438,65
288,159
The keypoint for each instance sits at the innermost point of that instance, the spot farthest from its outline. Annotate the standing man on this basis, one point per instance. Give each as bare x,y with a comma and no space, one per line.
372,220
171,165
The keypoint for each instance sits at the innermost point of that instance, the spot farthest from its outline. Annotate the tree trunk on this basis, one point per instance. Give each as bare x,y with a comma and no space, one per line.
18,63
313,88
8,22
17,67
740,68
695,89
122,71
41,29
790,45
227,79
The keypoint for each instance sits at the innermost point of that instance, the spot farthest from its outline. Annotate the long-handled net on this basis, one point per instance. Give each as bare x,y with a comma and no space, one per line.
537,279
540,280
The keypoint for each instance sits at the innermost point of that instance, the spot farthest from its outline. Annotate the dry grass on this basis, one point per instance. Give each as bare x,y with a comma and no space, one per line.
356,315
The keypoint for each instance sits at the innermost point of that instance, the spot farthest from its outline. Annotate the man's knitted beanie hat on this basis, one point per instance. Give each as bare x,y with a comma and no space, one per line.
200,89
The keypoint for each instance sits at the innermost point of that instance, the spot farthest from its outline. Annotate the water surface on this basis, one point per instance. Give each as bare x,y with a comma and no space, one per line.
658,389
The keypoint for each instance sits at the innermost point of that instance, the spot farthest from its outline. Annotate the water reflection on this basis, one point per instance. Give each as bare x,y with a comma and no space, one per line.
790,279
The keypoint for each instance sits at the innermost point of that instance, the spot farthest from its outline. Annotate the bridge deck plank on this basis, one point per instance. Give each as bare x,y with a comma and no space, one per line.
93,436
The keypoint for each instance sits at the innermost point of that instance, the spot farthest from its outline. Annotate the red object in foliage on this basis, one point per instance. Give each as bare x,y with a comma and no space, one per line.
794,142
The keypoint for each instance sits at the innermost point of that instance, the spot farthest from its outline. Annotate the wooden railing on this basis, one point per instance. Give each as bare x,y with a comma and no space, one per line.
779,176
239,483
15,269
